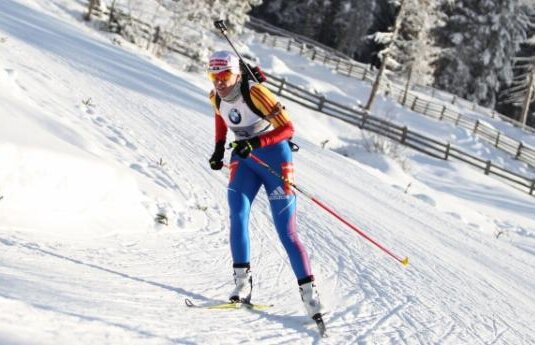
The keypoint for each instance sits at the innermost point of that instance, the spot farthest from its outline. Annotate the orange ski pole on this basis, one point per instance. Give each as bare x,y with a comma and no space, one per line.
404,261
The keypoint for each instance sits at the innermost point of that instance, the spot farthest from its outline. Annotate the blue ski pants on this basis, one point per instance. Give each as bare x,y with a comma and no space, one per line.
246,177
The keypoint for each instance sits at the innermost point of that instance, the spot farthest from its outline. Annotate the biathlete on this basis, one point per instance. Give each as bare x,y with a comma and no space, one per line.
262,127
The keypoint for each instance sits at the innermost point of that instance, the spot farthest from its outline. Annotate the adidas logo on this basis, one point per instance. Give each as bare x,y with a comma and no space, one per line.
278,194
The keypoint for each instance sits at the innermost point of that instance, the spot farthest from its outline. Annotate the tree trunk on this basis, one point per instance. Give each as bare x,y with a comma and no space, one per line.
92,4
375,87
407,85
527,100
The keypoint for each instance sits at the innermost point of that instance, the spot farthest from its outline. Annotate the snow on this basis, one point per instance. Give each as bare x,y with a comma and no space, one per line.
83,261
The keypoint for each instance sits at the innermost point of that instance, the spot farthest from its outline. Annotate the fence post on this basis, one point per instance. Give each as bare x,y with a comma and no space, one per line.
453,99
532,187
458,118
281,87
350,70
288,48
364,119
325,59
425,108
519,151
442,113
404,135
476,126
364,74
337,64
302,48
414,103
264,38
321,103
487,168
314,52
447,153
498,139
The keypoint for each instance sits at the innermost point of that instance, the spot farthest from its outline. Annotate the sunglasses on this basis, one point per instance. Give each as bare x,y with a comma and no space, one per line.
221,76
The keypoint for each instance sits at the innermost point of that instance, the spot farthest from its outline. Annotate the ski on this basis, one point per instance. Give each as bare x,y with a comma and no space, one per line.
229,305
318,318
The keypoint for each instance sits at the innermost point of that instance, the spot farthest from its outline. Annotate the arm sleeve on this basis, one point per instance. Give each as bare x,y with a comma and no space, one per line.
277,135
220,126
220,129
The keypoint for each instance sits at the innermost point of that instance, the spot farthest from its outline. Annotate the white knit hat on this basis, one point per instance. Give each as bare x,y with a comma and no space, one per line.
224,60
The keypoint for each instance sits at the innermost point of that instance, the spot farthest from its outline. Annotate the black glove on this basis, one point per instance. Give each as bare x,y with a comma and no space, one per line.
216,161
243,148
257,72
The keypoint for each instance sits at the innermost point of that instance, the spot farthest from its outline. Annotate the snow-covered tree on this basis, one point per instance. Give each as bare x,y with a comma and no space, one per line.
194,13
410,51
183,22
379,35
478,39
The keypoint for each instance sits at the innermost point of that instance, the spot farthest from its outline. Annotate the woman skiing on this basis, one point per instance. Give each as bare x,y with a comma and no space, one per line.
261,127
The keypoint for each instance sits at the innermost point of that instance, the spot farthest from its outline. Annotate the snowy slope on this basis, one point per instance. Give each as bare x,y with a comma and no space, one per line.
82,261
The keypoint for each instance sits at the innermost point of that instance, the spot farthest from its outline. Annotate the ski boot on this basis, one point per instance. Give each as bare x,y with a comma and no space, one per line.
244,285
311,300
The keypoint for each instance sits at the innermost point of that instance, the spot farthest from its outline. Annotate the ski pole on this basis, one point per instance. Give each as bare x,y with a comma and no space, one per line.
220,25
404,261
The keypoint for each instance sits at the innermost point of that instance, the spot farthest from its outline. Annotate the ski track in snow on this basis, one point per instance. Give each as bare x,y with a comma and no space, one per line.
461,287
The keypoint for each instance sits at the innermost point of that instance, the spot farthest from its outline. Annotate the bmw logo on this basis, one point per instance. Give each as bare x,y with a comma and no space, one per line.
234,116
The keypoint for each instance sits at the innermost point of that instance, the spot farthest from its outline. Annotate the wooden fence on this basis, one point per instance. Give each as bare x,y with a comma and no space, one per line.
440,110
143,34
400,134
360,118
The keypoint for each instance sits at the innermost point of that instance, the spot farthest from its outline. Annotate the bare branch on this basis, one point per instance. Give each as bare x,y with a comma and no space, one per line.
522,76
530,59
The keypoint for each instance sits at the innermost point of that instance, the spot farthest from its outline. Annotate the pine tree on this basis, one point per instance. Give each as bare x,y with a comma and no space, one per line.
384,15
352,23
341,24
287,14
478,39
412,51
511,97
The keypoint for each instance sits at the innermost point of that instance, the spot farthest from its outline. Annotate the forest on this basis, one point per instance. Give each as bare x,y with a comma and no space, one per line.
480,50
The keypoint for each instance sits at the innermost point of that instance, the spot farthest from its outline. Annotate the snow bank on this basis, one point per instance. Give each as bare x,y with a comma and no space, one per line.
48,182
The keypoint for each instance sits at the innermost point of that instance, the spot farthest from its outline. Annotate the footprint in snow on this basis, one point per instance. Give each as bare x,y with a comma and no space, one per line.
120,139
425,198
